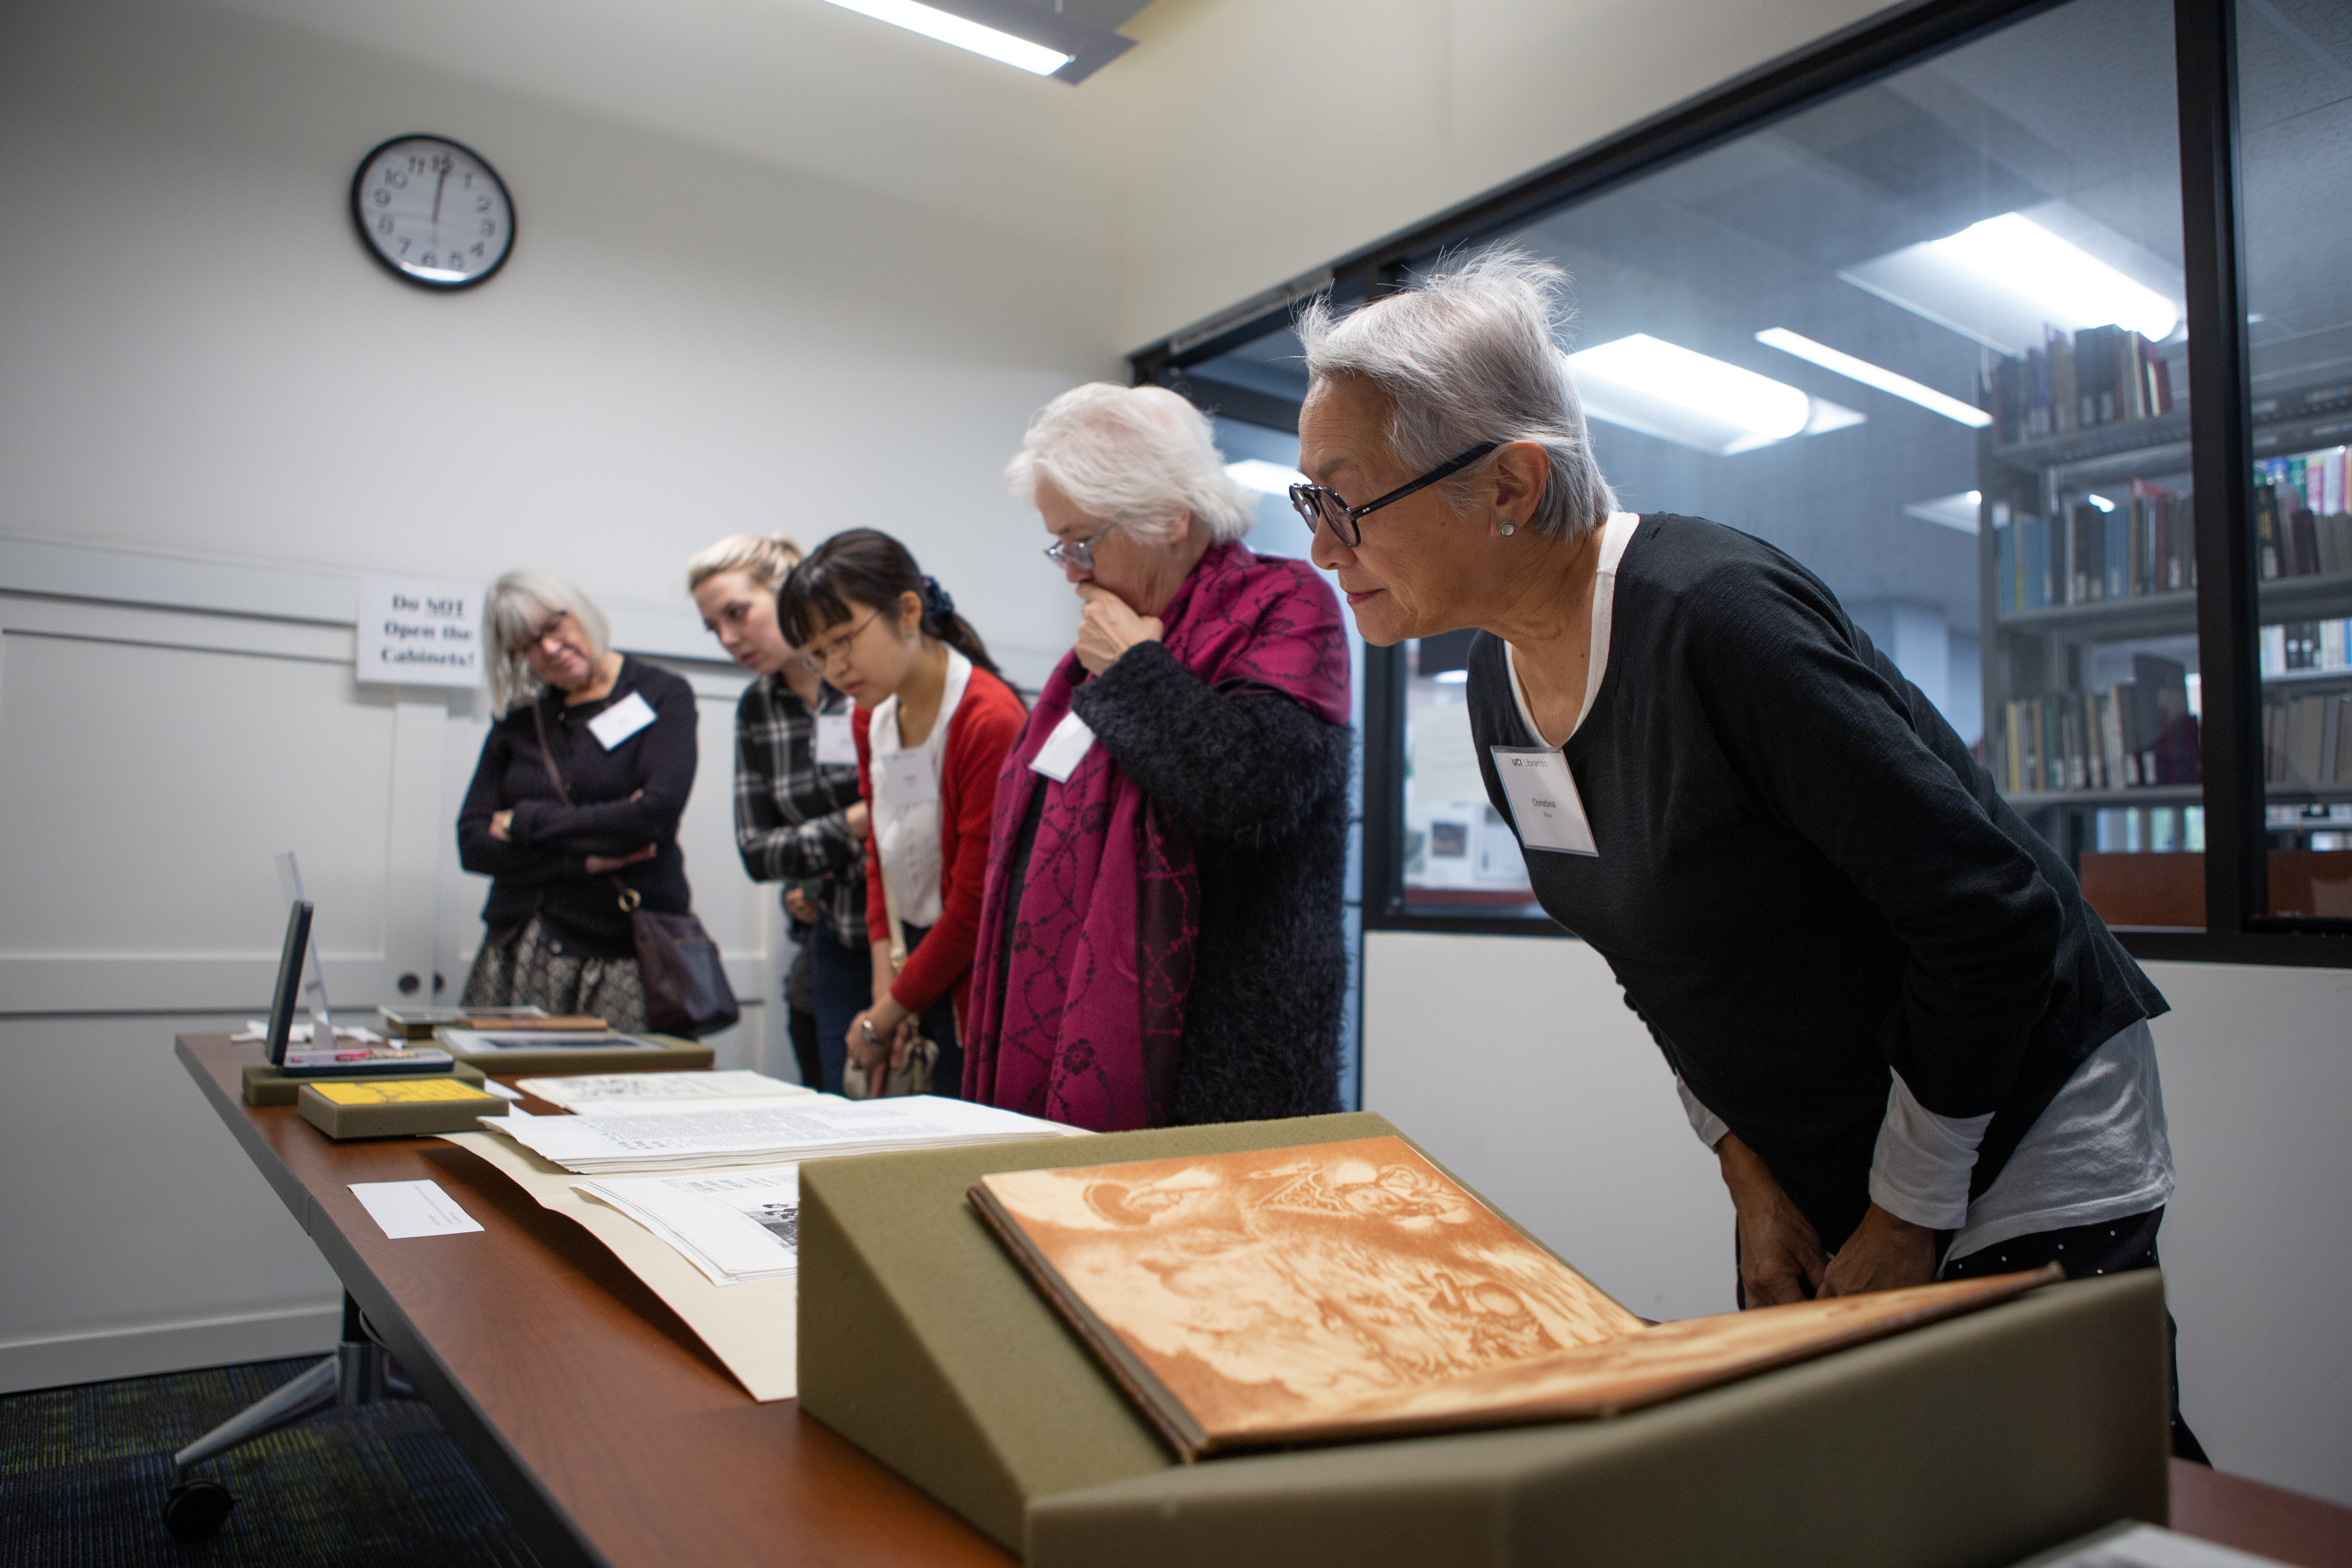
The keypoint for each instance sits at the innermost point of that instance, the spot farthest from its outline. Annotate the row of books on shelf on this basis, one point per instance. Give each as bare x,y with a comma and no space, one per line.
2132,735
2319,647
2099,549
2301,528
2308,737
2101,375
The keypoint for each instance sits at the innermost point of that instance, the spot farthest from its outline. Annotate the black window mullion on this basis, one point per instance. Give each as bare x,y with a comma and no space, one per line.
2205,60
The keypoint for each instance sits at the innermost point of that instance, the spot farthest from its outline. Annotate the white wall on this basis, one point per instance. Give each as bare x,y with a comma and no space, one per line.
1516,1061
686,342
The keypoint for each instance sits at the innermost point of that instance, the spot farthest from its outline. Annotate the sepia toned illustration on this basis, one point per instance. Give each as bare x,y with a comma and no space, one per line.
1351,1290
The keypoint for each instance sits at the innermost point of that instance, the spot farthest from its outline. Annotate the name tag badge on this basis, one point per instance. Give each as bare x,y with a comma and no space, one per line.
621,721
1064,750
908,778
836,744
1544,806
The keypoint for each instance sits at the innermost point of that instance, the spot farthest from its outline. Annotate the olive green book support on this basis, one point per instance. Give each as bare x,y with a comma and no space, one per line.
396,1119
1961,1445
266,1085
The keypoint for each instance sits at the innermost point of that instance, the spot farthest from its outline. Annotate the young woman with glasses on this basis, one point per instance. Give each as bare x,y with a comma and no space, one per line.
933,722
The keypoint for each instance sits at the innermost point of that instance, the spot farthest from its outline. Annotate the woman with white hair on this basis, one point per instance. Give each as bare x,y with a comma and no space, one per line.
1160,930
574,806
1911,1044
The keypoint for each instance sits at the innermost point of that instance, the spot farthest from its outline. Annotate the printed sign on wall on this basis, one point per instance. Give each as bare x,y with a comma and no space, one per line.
419,634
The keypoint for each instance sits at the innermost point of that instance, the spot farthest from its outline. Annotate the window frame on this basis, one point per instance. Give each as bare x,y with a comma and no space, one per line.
2237,929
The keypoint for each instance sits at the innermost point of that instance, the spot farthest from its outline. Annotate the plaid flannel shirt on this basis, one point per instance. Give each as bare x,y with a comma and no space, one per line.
788,822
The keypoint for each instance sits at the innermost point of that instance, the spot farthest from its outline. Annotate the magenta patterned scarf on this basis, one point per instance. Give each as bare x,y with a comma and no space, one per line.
1082,1023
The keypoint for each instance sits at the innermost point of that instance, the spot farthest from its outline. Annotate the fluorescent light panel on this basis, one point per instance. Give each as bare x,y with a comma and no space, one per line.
1869,374
1954,511
932,23
1679,394
1267,478
2018,253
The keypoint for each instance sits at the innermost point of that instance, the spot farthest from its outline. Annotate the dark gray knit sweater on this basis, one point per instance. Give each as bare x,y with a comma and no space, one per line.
1261,784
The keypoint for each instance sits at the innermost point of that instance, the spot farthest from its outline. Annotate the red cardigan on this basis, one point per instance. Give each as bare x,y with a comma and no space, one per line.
982,731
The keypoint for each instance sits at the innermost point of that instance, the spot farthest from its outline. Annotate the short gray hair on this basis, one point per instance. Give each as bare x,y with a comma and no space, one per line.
517,605
1137,457
1468,356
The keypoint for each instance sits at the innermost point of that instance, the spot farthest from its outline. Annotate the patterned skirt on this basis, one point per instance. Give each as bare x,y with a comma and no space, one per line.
530,970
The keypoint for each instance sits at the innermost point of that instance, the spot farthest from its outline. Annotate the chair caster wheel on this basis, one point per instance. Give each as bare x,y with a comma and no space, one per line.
195,1509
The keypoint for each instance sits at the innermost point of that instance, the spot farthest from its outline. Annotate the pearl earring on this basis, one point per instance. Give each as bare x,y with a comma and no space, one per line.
1508,527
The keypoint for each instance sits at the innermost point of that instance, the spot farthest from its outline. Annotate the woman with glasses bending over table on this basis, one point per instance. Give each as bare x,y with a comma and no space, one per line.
1913,1046
931,726
1161,940
574,806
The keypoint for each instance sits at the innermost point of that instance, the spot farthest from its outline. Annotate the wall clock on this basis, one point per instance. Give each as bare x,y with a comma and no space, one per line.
432,212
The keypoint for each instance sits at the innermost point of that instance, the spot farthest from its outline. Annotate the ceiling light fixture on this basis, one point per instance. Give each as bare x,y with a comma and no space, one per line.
1031,37
1953,511
1869,374
1267,478
2018,253
1681,395
964,34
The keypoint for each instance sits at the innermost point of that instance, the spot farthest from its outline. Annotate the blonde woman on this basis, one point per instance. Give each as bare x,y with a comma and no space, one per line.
619,734
798,819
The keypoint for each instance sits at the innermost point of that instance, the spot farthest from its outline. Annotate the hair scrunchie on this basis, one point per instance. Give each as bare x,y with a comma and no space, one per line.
937,603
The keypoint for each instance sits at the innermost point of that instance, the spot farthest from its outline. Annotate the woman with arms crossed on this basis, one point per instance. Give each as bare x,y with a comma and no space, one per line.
1161,938
933,725
1911,1044
619,734
797,816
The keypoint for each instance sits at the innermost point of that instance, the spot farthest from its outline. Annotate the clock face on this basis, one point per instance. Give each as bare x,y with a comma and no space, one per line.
432,212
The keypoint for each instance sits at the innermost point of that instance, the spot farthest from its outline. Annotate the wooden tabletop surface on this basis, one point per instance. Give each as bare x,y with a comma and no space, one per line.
594,1414
612,1436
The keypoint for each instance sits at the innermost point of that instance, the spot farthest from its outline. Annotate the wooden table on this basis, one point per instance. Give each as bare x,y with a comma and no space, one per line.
611,1435
604,1429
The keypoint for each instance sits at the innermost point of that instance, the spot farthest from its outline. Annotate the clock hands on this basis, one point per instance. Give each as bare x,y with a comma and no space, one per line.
438,186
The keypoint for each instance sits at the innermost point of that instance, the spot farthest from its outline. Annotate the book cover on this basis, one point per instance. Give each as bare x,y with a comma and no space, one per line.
1349,1291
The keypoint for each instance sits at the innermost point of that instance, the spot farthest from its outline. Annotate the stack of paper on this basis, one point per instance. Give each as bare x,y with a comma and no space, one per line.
605,1092
684,1137
734,1226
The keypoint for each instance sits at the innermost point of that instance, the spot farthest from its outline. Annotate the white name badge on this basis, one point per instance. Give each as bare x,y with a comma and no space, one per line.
1544,803
836,742
908,777
621,721
1064,750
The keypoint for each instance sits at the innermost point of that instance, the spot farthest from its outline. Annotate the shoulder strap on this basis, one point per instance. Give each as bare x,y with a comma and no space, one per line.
538,723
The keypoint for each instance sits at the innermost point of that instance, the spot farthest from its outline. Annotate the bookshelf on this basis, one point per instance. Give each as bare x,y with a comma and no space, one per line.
2091,690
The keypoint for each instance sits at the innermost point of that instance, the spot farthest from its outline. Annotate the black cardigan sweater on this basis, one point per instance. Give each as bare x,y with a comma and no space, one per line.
1804,878
1261,786
542,868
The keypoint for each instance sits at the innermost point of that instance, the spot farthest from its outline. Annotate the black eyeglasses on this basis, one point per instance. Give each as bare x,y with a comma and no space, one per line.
1318,505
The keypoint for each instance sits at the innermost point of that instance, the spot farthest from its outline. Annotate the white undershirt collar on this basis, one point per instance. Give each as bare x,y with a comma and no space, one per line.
1616,535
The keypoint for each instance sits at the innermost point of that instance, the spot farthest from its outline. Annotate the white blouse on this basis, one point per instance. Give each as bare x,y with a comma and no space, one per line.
906,824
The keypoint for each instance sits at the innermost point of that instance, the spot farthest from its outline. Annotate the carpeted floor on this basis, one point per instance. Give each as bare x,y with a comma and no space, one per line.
84,1470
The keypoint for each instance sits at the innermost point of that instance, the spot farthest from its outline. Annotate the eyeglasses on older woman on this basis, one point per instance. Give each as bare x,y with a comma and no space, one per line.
1317,503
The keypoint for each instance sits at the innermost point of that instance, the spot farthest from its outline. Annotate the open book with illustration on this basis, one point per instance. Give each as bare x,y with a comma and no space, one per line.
1349,1290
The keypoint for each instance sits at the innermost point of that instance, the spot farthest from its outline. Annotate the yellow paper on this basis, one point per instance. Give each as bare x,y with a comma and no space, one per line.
398,1092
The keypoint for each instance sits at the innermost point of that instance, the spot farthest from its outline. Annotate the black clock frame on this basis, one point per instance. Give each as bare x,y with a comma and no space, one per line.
359,215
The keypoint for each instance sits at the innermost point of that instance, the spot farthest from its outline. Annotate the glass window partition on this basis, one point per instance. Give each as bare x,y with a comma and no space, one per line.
2294,115
1928,337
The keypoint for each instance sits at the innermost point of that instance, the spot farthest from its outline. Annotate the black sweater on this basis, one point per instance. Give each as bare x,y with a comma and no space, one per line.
1261,786
1804,878
542,868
